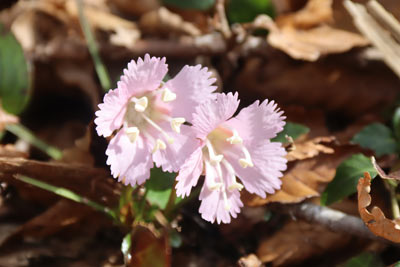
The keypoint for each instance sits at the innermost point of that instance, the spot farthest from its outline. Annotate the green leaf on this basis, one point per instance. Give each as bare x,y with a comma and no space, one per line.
15,79
240,11
397,264
292,129
365,259
376,137
126,247
347,175
159,187
191,4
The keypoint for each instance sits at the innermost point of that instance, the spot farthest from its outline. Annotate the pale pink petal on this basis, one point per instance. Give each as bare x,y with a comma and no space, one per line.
130,162
212,113
269,163
192,86
111,114
189,173
175,155
212,207
143,76
257,123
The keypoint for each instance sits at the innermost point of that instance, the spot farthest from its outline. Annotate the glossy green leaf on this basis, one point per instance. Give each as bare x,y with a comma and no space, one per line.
240,11
159,187
15,79
347,175
191,4
292,129
126,247
378,138
365,259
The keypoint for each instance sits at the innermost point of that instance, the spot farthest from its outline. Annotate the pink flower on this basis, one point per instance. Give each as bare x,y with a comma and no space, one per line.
230,148
148,116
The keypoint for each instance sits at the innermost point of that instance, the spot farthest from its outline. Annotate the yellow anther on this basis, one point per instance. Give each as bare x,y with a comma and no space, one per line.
167,95
141,104
246,163
235,138
160,145
176,124
235,185
132,133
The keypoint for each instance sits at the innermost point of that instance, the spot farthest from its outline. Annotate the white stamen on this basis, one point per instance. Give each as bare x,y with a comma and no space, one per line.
132,133
246,162
160,145
227,205
235,138
211,184
234,184
141,104
214,159
167,95
170,140
176,124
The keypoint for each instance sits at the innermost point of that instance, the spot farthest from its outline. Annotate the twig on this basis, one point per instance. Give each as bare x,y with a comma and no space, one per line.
334,220
223,21
386,18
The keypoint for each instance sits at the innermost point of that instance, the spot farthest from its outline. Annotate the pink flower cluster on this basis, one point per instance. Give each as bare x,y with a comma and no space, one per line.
183,126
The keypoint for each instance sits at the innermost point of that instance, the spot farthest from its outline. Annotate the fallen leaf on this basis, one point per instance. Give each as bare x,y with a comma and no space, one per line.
303,34
310,148
9,151
393,176
166,22
375,220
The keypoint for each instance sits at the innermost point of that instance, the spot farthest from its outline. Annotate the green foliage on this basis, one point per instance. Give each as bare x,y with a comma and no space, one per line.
126,246
191,4
159,188
292,129
15,79
365,259
240,11
378,138
347,175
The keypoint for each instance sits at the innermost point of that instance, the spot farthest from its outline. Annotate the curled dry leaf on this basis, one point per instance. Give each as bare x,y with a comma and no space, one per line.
310,148
303,35
164,21
375,220
392,176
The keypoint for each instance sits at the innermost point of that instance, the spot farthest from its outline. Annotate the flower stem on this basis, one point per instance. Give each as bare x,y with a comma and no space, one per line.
93,49
26,135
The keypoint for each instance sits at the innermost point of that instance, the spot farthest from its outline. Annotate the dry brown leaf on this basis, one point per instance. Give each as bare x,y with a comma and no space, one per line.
392,176
93,183
297,241
166,22
303,34
304,179
135,7
310,148
315,12
375,220
60,215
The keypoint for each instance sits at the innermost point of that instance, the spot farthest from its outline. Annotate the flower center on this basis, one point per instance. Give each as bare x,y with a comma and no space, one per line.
150,111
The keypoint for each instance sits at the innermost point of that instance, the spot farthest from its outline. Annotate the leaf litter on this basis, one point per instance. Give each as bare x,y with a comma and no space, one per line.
309,63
